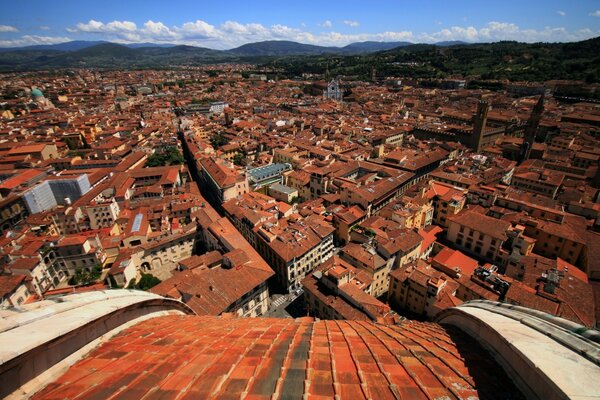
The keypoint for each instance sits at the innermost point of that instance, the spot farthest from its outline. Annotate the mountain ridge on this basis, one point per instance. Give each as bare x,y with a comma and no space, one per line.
488,61
281,47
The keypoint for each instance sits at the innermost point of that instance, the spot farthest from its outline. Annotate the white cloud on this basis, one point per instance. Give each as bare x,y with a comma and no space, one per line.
326,24
8,28
353,24
158,31
29,40
198,29
44,28
595,13
231,34
495,31
561,13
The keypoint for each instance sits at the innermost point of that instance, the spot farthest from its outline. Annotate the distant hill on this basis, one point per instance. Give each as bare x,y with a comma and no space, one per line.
79,45
506,60
370,47
67,46
450,43
280,48
111,55
484,61
288,48
147,44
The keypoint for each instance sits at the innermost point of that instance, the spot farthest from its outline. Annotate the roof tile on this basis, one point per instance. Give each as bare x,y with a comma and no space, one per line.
188,357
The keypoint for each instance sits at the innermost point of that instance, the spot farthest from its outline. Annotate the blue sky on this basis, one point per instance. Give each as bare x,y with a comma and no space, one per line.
226,24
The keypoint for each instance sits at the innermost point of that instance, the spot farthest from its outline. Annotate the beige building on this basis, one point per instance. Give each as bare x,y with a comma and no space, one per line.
160,257
215,283
293,247
103,214
409,214
554,240
283,193
544,183
225,180
365,257
479,235
14,291
419,289
337,290
300,181
79,252
40,151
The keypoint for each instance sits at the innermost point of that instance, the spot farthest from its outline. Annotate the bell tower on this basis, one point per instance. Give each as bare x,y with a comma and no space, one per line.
479,122
531,129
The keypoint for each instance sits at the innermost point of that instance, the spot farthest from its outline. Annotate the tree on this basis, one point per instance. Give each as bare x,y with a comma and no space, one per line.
218,140
71,143
240,158
84,277
146,282
113,282
169,156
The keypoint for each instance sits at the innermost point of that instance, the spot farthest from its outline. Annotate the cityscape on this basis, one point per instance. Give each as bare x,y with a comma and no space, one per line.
334,204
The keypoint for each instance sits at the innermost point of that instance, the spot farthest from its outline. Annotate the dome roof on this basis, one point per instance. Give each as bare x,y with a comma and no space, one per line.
36,93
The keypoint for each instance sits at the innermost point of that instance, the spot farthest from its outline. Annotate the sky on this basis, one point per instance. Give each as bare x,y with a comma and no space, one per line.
230,23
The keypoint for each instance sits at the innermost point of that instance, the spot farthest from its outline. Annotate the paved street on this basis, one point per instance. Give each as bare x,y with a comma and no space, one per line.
287,306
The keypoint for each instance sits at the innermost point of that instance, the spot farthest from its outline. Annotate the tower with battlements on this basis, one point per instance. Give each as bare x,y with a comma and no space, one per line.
479,122
531,130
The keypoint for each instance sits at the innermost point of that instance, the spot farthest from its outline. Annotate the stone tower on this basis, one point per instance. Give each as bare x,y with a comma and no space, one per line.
531,129
479,122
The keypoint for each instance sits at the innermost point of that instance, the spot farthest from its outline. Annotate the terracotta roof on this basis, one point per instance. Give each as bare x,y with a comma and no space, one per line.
452,259
482,223
9,283
189,357
28,175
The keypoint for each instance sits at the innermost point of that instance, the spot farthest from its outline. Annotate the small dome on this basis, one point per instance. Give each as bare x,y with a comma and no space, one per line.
35,92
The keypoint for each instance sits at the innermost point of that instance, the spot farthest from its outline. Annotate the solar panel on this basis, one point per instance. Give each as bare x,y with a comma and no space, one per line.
137,222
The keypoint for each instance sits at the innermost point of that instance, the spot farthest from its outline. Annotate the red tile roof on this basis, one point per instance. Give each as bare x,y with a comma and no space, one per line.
212,291
189,357
452,259
9,283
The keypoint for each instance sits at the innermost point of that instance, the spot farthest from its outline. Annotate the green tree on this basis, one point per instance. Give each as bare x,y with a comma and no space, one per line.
84,277
169,156
240,158
146,282
71,144
218,140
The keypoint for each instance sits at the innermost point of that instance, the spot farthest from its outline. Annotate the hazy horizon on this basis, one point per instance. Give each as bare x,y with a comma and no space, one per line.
333,23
